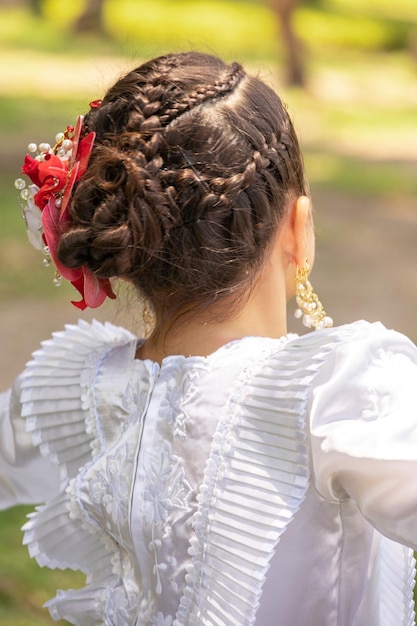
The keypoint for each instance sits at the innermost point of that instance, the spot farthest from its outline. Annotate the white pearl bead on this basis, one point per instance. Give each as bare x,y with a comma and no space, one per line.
59,137
44,147
307,321
32,147
298,314
67,144
328,322
19,183
26,194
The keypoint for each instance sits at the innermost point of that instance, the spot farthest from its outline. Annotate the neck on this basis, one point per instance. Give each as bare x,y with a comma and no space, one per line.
262,312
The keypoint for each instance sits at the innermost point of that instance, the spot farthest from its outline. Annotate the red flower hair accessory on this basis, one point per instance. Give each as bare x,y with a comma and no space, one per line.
45,205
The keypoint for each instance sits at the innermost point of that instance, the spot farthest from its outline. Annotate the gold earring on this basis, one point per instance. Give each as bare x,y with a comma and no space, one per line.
310,308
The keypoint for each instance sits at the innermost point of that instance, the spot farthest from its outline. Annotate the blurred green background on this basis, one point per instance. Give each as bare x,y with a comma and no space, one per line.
348,71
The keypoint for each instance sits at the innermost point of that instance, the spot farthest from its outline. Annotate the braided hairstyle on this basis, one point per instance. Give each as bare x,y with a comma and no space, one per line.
189,177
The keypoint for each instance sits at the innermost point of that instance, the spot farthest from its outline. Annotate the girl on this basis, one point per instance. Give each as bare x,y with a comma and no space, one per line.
222,472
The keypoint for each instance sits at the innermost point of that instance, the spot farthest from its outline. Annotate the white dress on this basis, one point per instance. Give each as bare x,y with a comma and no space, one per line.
272,483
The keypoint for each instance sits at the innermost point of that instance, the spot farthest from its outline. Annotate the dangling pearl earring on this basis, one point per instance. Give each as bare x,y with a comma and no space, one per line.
310,308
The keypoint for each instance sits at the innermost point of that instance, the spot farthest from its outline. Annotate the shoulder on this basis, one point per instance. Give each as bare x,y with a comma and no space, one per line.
372,334
82,338
62,358
362,347
60,390
348,355
366,383
356,370
360,332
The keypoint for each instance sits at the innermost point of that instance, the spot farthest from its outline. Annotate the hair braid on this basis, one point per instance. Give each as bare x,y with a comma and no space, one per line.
183,204
206,92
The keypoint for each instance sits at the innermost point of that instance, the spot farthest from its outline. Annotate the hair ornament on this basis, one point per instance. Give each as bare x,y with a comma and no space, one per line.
96,104
45,205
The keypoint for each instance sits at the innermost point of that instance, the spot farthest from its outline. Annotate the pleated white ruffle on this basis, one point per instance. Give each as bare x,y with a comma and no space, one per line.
255,481
59,403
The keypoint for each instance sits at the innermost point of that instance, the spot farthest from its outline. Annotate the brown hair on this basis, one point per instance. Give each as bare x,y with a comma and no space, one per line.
187,182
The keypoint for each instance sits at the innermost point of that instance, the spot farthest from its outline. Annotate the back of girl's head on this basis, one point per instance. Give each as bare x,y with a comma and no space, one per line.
190,174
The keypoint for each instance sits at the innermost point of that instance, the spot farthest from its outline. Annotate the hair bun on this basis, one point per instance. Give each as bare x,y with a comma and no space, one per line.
185,186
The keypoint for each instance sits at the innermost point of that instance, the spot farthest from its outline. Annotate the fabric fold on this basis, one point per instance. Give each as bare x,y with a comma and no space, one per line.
59,392
397,575
85,399
255,480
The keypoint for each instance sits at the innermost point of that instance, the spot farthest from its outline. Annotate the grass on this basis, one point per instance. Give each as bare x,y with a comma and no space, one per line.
244,29
352,29
360,177
17,115
24,587
403,11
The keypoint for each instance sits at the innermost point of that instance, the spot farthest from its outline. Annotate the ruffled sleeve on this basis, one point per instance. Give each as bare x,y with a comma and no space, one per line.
58,394
48,424
72,401
25,476
364,428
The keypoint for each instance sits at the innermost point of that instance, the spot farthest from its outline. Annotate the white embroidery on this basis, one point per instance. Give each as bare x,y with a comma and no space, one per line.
135,397
180,392
169,410
111,487
122,603
161,620
167,489
383,383
119,601
110,484
104,510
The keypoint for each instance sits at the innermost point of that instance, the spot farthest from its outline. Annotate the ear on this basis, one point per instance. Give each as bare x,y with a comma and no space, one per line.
297,235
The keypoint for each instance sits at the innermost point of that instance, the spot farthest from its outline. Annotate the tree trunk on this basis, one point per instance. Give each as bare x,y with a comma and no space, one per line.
36,7
91,20
284,10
